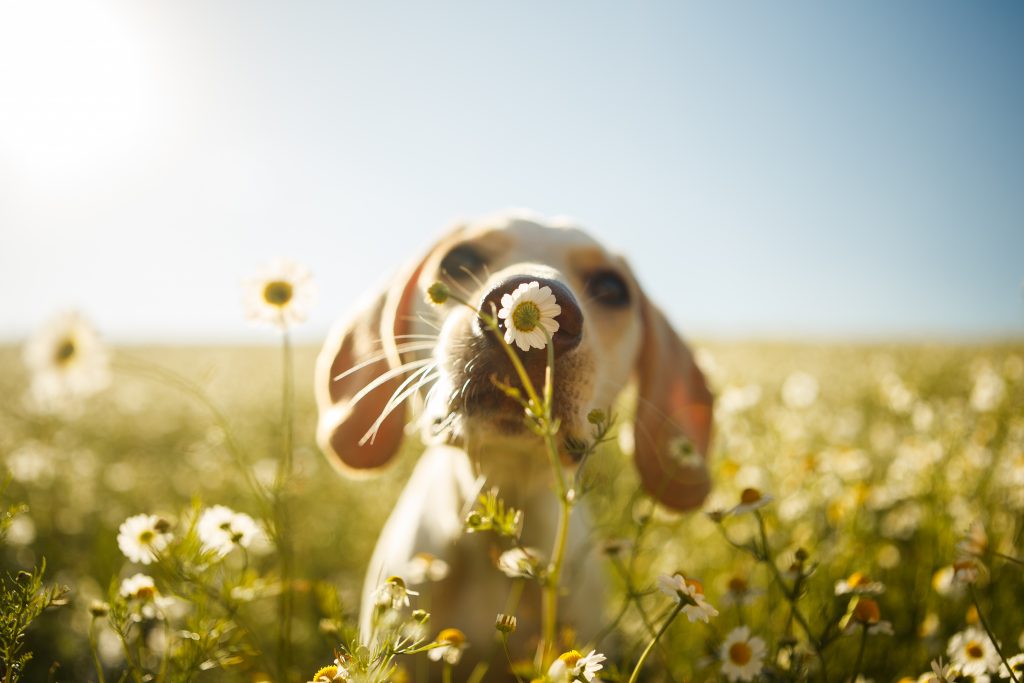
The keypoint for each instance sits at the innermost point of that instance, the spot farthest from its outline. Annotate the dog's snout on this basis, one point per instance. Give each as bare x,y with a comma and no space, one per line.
570,318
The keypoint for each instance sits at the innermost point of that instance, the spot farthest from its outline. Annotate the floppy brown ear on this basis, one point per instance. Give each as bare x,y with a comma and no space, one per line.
672,432
345,417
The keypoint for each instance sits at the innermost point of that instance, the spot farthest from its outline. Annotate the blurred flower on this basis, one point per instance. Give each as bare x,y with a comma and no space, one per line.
690,594
66,362
141,537
520,563
571,665
968,570
800,390
282,294
742,655
331,673
972,652
943,584
738,591
988,390
505,623
750,499
221,529
865,613
141,590
859,584
452,643
394,593
425,567
528,312
974,542
1016,666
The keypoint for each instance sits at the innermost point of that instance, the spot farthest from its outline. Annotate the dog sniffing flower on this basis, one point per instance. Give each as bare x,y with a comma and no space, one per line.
571,665
66,361
221,529
451,642
393,593
690,594
742,655
972,652
528,312
141,537
519,563
281,294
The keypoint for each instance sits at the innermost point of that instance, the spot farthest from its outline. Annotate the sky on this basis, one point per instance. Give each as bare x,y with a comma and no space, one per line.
784,170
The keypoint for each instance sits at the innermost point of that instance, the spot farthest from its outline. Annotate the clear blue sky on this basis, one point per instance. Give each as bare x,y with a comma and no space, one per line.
783,169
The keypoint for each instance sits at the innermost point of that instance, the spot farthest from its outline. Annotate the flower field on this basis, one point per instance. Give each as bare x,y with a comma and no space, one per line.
867,521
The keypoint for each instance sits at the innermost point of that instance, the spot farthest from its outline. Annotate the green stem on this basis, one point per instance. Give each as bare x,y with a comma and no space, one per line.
447,675
508,656
95,651
991,636
282,512
860,652
650,646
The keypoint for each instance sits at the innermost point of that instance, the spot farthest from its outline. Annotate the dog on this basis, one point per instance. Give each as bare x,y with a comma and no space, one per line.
399,349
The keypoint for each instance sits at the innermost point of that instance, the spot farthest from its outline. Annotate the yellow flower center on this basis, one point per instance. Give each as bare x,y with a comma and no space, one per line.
327,673
570,658
397,581
526,316
451,636
65,351
146,537
696,585
740,653
278,293
750,496
857,579
145,593
974,650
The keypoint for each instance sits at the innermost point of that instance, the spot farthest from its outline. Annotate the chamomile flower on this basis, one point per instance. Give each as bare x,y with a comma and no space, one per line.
689,593
572,665
859,584
141,537
393,593
750,499
329,674
282,294
1016,666
865,614
66,362
221,529
974,542
520,563
967,570
742,655
738,591
452,642
528,312
972,652
425,567
141,591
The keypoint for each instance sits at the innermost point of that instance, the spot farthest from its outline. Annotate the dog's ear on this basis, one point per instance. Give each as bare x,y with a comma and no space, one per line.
672,432
346,417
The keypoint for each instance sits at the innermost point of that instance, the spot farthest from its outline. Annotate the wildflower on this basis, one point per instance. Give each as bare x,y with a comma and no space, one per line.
66,361
528,312
520,563
738,591
800,390
425,567
972,652
220,529
506,623
742,655
394,593
99,609
571,665
451,642
690,594
281,294
438,293
866,614
332,672
141,537
750,499
988,391
974,542
141,589
859,584
967,570
1016,666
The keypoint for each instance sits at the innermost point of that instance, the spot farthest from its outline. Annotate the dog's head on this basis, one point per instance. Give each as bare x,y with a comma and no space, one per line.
398,347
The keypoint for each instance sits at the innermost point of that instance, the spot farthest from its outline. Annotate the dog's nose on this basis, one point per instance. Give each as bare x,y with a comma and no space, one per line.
570,318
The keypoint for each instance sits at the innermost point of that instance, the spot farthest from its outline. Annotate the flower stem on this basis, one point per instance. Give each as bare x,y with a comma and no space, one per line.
95,651
860,652
650,646
447,673
508,656
991,636
282,511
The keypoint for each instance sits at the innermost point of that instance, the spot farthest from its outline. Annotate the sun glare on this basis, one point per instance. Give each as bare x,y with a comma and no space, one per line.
77,94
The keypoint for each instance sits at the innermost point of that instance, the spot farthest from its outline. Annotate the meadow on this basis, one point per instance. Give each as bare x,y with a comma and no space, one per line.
867,519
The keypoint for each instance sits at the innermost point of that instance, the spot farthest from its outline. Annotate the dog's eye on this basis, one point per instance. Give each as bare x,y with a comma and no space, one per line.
461,261
608,289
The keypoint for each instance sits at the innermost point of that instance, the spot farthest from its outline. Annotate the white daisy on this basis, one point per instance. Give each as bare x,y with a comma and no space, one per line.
393,593
520,563
528,312
282,294
859,584
689,593
972,652
425,567
742,655
221,529
452,643
571,665
1016,665
141,590
750,499
141,537
66,361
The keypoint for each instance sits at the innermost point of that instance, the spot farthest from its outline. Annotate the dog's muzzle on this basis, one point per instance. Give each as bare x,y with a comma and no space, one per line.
570,320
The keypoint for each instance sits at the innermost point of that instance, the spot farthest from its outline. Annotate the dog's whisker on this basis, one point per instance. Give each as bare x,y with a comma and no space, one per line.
456,284
387,376
378,357
388,409
408,380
